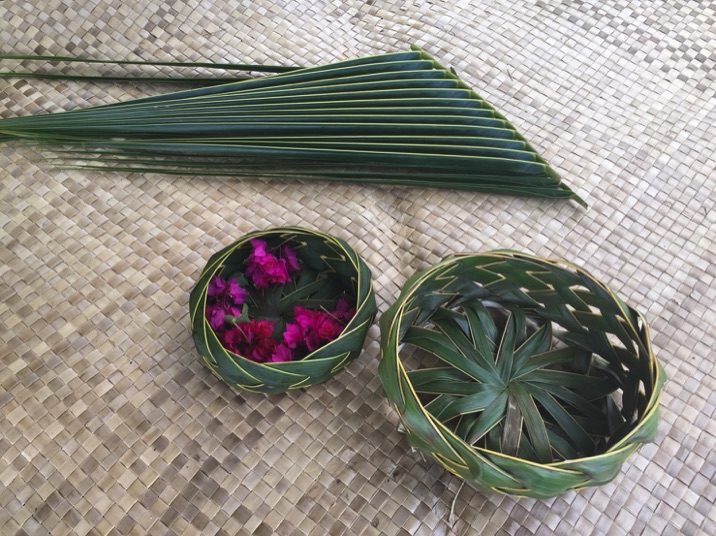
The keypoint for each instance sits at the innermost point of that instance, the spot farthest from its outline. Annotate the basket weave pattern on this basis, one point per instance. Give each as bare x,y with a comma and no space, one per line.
582,310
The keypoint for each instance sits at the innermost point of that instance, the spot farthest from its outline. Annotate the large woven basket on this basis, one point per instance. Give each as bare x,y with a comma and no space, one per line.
448,308
318,251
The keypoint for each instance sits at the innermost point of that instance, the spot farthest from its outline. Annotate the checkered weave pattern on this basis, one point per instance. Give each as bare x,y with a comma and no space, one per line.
110,422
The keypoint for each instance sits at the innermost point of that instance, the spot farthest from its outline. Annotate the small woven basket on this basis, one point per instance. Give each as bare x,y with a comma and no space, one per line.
498,364
317,251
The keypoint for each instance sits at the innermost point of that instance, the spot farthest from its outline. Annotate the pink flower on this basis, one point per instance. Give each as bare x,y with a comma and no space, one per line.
281,352
223,297
263,267
312,329
293,335
344,312
215,314
251,339
217,287
291,260
237,292
328,328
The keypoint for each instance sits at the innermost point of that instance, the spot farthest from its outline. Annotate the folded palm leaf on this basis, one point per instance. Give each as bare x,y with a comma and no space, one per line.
397,118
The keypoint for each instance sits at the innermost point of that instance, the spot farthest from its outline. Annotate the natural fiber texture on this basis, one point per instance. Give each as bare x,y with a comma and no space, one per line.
110,423
601,341
318,251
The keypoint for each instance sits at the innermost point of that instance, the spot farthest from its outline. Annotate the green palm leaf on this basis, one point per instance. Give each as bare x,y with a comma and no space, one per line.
397,118
193,80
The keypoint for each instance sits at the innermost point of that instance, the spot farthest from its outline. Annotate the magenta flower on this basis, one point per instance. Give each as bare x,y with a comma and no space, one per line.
224,296
328,328
281,352
216,313
291,260
251,339
344,312
237,292
311,329
224,291
293,335
264,268
217,287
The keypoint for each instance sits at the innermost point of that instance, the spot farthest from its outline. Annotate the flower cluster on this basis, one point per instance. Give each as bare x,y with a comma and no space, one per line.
252,339
312,329
224,299
264,268
243,332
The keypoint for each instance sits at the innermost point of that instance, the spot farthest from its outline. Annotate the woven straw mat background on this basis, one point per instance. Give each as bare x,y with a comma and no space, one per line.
111,424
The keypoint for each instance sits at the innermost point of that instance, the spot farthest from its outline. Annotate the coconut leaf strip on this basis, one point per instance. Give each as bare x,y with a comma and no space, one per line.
561,446
579,437
548,359
475,429
533,422
602,468
511,427
540,481
418,420
349,177
589,387
246,89
353,155
482,329
506,348
646,431
406,105
154,63
397,61
538,343
398,77
481,397
466,347
437,406
441,346
341,89
202,81
392,147
525,451
308,169
425,376
347,116
574,399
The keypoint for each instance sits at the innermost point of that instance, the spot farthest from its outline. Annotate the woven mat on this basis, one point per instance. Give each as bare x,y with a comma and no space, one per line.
109,422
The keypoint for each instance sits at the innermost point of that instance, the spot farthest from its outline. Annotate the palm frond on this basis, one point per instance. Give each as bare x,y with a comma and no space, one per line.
398,118
177,79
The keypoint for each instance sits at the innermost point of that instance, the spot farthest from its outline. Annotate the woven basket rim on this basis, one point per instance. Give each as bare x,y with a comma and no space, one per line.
392,325
243,239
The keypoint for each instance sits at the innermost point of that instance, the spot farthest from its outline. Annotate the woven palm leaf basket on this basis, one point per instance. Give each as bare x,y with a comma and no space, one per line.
282,309
521,375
